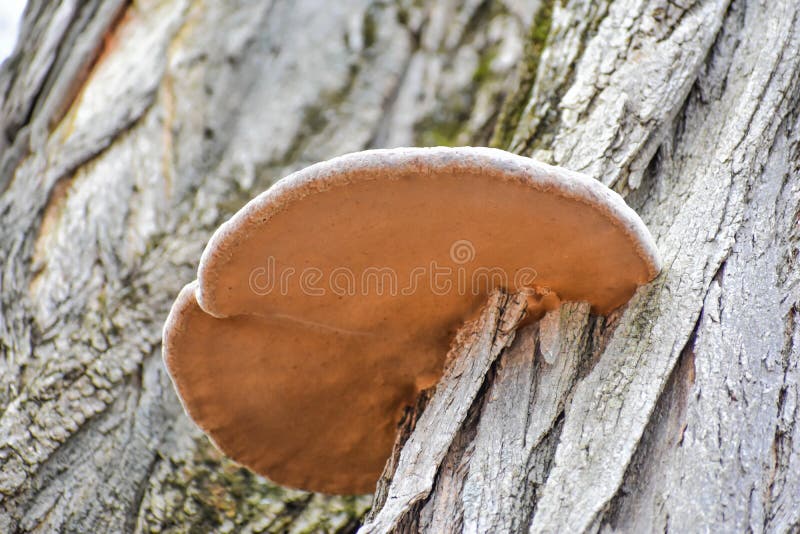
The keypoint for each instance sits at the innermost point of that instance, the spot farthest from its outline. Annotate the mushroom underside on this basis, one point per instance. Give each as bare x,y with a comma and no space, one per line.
319,347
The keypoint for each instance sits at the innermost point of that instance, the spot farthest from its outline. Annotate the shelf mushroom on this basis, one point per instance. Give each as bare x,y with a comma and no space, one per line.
326,304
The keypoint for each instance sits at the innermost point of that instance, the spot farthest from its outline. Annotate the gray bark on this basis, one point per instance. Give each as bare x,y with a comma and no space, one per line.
475,348
131,131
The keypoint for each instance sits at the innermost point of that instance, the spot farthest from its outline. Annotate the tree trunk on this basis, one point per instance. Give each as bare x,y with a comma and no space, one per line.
130,131
469,463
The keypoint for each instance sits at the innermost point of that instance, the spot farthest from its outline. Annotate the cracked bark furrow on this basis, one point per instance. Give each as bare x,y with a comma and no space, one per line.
461,55
573,22
519,411
474,350
70,280
639,510
497,460
189,110
64,486
62,40
404,430
718,155
621,71
737,460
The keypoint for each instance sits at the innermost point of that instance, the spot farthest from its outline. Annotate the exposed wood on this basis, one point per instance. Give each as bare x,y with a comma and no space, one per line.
474,350
494,464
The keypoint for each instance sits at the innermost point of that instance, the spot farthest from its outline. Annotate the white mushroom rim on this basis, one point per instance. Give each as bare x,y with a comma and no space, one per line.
342,280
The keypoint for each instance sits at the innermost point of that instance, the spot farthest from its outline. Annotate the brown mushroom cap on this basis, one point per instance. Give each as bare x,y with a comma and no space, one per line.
304,380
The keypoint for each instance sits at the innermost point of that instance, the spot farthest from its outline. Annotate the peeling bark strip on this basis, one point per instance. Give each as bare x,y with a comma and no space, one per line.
489,478
475,348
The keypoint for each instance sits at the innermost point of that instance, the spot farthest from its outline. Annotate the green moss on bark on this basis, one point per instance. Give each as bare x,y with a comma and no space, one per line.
514,105
210,493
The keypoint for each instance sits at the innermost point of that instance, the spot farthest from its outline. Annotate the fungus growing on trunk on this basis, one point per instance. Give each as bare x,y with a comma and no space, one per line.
325,305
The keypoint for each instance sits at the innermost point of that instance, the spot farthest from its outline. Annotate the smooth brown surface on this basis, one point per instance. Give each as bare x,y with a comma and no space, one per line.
307,388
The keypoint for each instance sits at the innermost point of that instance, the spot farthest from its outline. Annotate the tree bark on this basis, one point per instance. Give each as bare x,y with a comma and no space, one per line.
436,434
485,475
130,131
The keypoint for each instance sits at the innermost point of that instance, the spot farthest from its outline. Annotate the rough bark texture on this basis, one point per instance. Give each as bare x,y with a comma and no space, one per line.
489,466
131,130
475,348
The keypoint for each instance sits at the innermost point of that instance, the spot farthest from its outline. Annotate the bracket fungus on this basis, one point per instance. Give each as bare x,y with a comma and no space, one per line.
325,305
